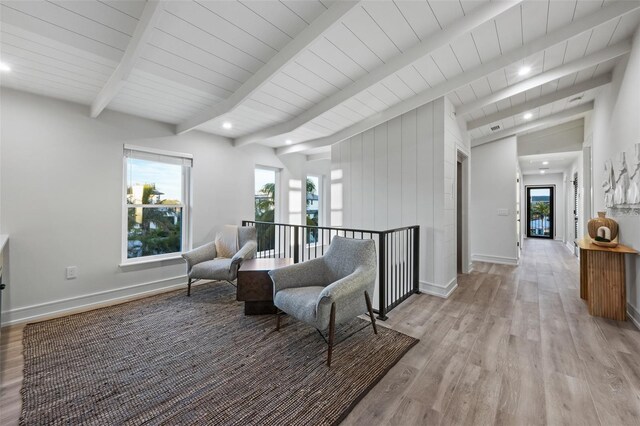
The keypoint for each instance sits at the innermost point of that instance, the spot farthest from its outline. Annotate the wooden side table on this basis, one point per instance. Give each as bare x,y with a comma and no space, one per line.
255,287
602,279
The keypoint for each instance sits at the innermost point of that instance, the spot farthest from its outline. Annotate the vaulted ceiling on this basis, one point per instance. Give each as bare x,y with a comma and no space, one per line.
301,75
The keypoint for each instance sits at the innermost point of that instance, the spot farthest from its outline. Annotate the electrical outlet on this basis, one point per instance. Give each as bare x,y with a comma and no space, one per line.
72,272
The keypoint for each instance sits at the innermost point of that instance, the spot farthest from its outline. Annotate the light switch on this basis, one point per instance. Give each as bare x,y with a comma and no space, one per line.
503,212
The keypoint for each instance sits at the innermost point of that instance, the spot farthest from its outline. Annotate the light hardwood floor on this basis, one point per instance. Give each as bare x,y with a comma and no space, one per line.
513,345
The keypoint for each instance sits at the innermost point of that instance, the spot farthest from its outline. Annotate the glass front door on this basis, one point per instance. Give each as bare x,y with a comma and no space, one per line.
540,212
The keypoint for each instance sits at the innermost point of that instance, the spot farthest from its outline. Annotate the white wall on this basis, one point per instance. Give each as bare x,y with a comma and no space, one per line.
616,127
564,137
559,213
61,176
402,173
493,187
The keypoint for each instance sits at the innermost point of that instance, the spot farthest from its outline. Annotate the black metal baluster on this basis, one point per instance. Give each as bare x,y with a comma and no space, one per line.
416,259
296,246
382,307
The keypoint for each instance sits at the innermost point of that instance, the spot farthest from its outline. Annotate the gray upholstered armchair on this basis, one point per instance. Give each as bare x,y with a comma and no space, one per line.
203,262
331,289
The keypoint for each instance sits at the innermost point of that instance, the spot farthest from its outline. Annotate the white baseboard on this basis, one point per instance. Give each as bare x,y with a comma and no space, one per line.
84,302
494,259
569,245
633,315
439,290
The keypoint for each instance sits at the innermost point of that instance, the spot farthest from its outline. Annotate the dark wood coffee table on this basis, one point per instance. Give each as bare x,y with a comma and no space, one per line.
255,287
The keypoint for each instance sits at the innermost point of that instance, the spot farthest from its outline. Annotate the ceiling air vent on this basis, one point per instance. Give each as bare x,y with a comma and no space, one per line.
496,127
576,99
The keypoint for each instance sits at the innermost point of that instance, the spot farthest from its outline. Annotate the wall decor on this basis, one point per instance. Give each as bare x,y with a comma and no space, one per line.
633,193
621,183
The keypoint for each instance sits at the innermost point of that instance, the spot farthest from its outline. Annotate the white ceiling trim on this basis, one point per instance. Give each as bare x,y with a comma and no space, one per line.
150,15
543,100
457,29
289,53
566,115
596,58
569,31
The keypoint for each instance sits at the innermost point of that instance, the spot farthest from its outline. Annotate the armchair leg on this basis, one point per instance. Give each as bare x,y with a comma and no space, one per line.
332,332
189,287
373,319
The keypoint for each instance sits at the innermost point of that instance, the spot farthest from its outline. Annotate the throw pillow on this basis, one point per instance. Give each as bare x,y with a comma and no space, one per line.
227,241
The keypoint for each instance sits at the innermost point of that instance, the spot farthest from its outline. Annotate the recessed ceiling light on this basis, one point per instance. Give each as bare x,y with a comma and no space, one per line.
541,172
544,163
227,125
524,70
528,116
288,141
4,67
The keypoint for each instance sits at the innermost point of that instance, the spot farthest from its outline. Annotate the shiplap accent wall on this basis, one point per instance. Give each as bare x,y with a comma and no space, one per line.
402,173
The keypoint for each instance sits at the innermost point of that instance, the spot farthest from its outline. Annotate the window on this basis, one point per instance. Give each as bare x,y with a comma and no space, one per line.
156,213
265,207
313,207
265,195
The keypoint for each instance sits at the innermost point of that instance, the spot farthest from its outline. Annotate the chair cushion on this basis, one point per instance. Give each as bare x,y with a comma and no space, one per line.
227,241
299,302
216,269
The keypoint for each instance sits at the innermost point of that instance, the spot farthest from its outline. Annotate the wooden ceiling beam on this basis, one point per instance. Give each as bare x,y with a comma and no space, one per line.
288,54
566,32
556,73
541,101
442,38
566,115
150,15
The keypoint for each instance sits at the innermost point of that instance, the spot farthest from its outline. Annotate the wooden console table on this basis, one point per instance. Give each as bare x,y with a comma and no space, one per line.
602,279
255,287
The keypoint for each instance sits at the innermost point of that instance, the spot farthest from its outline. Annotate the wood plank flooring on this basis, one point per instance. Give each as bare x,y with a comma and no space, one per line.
512,345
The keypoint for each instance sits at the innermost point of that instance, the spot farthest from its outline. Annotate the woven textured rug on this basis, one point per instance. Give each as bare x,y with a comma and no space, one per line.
172,359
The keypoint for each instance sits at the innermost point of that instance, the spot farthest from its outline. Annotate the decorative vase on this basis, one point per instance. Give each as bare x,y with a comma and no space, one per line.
604,228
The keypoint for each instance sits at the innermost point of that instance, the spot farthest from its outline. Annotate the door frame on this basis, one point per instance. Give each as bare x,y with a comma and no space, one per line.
552,210
463,158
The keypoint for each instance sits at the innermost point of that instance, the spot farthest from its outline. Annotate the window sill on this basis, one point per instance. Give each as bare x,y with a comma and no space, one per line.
150,261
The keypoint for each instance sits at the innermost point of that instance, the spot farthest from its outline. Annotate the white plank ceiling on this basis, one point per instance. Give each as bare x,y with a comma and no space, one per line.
201,52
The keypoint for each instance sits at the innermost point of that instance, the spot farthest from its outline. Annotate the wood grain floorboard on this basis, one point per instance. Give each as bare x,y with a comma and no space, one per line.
512,345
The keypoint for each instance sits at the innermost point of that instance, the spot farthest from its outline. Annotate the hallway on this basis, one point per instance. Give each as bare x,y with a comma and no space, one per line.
512,345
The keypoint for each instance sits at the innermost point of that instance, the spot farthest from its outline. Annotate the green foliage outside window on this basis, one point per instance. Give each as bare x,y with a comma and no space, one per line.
153,230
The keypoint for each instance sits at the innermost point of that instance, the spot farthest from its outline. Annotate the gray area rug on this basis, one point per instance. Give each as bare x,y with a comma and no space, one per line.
171,359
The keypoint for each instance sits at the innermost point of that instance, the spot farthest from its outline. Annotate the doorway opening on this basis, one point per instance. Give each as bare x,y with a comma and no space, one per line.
460,194
540,212
459,215
575,214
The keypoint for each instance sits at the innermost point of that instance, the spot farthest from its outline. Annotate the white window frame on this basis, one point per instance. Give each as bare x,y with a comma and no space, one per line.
186,207
276,201
320,191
